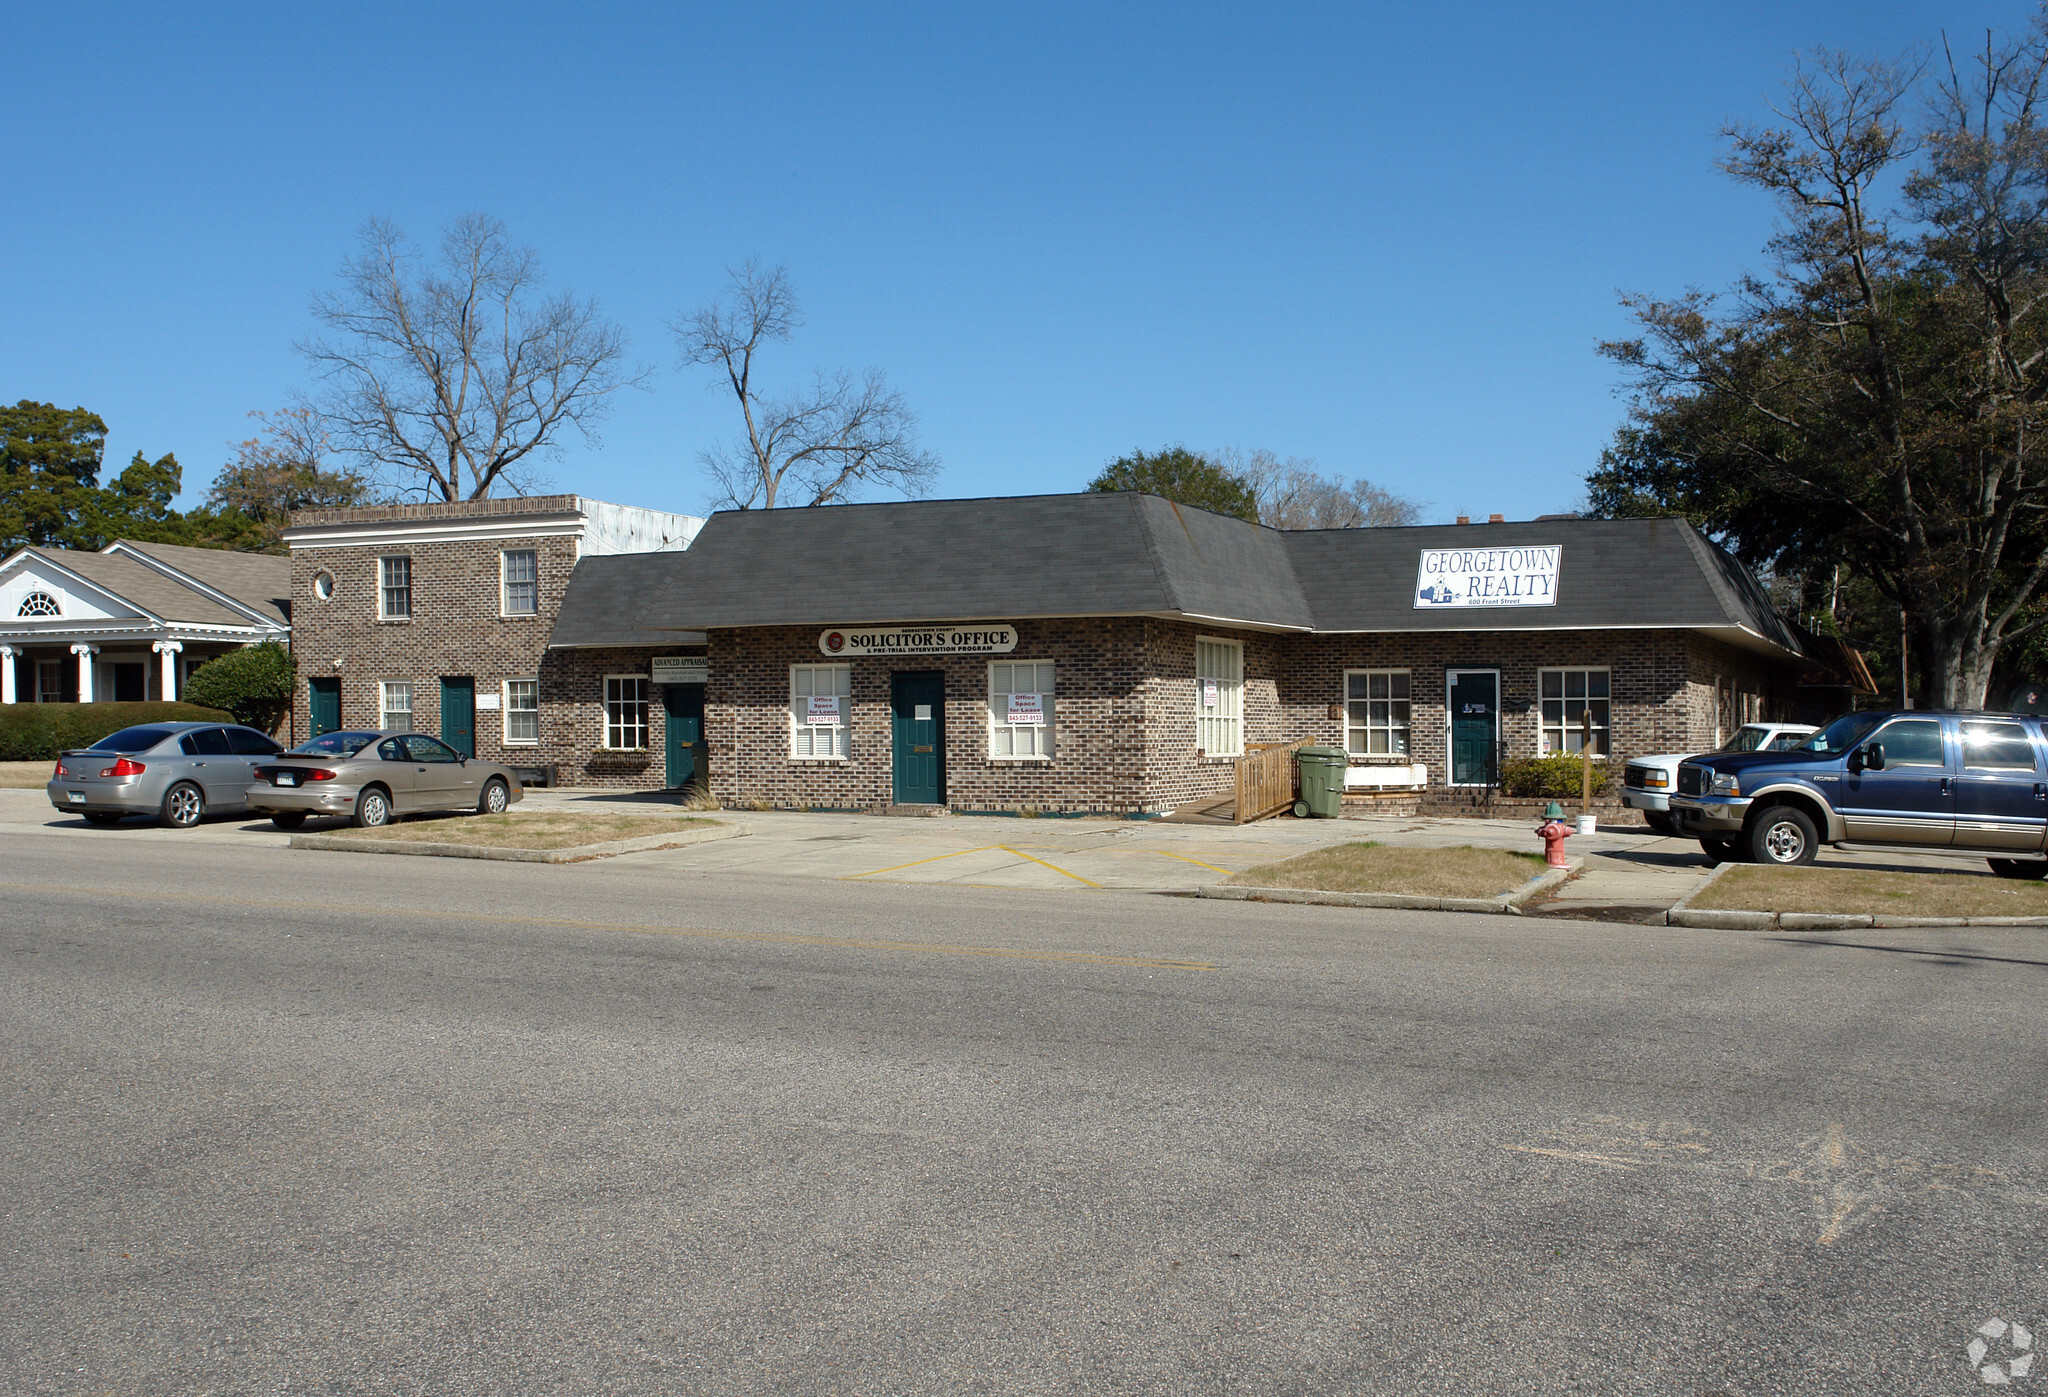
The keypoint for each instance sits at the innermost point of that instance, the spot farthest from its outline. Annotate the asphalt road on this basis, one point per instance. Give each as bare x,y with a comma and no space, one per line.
310,1123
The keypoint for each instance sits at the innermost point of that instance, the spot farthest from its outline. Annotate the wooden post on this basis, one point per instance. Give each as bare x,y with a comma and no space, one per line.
1586,759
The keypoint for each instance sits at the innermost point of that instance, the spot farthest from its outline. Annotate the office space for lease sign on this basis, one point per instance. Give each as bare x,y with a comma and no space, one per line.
1524,575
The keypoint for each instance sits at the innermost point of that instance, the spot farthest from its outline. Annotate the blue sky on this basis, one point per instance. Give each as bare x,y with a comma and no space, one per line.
1384,237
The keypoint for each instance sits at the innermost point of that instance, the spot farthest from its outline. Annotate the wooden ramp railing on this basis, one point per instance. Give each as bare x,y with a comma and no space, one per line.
1266,779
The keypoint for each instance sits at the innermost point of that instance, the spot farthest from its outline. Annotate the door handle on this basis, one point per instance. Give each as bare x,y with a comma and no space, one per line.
1944,785
2040,791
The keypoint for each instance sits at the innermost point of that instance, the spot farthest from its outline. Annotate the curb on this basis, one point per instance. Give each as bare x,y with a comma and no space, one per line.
355,844
1509,903
1681,914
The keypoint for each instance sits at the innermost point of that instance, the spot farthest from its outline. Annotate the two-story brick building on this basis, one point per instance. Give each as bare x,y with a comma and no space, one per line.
437,617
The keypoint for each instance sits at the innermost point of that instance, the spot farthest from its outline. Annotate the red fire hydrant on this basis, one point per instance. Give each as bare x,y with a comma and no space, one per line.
1553,832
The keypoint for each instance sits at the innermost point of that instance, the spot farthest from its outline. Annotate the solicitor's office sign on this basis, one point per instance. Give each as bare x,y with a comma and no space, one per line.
978,638
1524,575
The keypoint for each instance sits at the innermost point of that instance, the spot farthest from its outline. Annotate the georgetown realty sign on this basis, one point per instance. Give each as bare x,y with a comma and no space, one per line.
1523,576
977,638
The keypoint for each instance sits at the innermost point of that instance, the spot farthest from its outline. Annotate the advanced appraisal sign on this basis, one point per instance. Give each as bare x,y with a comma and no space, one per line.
1525,575
978,638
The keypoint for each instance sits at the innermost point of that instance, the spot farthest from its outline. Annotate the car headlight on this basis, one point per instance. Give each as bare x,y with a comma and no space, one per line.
1726,784
1656,780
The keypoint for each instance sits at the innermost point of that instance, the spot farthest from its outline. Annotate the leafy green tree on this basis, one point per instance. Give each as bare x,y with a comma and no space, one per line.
253,683
49,469
1876,402
1180,475
281,470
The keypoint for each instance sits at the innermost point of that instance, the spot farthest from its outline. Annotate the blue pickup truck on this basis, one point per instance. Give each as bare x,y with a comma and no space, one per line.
1965,782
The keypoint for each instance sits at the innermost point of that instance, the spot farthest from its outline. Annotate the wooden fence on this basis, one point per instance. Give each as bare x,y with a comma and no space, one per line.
1266,779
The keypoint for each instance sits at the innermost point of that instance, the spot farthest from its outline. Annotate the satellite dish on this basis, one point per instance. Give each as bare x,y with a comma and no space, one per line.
2029,698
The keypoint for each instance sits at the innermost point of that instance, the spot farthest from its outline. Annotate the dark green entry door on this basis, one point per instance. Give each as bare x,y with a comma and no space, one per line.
682,707
458,715
323,704
918,736
1475,709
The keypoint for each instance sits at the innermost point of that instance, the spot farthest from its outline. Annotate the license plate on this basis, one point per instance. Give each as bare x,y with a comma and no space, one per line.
76,797
286,778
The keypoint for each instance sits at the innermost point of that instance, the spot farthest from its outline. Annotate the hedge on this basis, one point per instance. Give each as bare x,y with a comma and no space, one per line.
253,683
1550,778
37,732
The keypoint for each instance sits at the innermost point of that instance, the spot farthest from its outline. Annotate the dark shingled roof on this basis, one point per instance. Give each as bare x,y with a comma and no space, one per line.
1129,554
260,581
608,598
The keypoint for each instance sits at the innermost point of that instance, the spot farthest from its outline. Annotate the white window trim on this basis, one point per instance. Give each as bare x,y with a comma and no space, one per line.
1344,702
604,714
384,709
1053,736
382,614
1238,646
789,711
505,702
505,588
1543,747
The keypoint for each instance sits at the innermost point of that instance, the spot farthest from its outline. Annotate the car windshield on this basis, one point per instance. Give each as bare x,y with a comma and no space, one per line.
131,740
1842,734
1746,739
335,744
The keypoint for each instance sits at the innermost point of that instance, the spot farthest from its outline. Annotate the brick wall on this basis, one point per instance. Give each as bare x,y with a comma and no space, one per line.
457,630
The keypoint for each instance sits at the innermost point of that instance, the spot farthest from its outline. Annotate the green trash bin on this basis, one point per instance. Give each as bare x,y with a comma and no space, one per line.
1322,781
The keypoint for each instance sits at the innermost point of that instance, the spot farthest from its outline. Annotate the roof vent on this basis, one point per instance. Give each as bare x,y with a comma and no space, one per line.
1496,519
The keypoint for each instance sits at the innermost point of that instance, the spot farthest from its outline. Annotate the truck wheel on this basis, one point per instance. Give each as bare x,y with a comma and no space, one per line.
1721,850
2019,868
1783,836
1660,821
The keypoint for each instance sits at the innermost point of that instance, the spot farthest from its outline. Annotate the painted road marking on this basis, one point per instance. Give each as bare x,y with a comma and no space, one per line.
979,848
1183,858
705,933
1053,866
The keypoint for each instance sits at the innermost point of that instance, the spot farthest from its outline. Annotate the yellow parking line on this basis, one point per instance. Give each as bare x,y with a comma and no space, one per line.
915,862
1043,864
703,933
1183,858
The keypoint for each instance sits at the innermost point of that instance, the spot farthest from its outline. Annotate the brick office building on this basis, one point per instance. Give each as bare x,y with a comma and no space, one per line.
1118,653
437,617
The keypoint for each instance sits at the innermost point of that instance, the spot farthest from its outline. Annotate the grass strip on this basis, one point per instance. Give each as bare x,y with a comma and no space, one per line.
1856,890
552,830
1371,867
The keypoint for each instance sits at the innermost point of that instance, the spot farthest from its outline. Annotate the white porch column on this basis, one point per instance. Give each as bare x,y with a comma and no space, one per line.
85,654
7,656
168,651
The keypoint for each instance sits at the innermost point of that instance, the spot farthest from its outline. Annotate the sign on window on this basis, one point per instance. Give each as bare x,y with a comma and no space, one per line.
822,710
1027,709
1211,693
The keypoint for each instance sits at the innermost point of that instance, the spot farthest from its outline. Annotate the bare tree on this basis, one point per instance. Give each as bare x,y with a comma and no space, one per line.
454,378
284,469
815,446
1292,494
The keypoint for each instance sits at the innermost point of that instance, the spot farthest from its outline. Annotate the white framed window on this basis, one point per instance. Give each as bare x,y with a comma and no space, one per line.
394,705
37,605
625,712
1566,696
394,590
820,710
1219,697
49,681
1020,708
522,712
520,568
1376,708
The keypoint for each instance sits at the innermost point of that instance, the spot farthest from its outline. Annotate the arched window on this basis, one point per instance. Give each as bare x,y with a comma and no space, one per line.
38,604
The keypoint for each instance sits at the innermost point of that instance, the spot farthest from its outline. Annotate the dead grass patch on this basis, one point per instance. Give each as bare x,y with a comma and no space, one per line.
23,776
1855,890
1369,867
552,830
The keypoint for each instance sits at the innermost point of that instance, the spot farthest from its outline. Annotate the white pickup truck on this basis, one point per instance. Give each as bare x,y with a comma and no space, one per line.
1647,782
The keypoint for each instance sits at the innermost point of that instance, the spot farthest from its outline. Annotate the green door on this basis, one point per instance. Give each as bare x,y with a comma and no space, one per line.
918,735
1475,706
683,708
458,715
323,703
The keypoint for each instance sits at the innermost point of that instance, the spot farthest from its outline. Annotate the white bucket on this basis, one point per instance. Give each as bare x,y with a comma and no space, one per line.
1589,824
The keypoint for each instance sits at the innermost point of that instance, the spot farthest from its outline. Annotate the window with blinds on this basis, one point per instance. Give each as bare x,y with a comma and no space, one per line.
1219,697
820,710
1020,708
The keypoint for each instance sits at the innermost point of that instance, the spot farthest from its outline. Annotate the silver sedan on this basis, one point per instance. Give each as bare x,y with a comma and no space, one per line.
177,772
371,777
